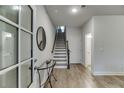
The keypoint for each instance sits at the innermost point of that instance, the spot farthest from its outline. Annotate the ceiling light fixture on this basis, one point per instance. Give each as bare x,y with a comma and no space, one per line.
74,10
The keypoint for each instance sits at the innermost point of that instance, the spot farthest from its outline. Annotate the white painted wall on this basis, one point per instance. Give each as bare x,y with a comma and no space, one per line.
42,19
109,44
73,35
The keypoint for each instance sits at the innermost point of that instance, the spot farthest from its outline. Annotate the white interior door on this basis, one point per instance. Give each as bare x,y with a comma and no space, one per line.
88,50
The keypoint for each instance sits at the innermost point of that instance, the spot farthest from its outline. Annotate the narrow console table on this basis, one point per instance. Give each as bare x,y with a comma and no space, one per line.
49,67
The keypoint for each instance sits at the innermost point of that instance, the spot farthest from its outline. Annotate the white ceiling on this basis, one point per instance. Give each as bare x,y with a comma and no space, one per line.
62,15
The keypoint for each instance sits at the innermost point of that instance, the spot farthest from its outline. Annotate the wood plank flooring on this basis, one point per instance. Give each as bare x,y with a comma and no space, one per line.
79,77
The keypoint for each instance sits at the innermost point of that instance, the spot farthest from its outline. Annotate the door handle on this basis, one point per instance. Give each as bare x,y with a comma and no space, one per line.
35,60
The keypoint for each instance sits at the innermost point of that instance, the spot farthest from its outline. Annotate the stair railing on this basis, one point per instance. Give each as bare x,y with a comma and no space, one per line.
68,55
54,42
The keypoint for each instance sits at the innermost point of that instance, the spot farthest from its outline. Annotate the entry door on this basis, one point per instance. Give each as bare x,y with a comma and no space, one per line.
88,50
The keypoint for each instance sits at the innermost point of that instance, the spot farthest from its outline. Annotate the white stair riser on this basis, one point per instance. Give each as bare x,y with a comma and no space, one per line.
60,49
61,67
60,55
60,59
61,63
59,52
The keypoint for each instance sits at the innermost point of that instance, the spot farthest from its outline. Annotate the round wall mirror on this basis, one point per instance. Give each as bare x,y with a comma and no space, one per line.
41,38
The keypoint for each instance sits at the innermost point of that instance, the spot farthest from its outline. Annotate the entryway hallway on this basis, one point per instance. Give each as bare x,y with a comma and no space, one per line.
38,42
80,77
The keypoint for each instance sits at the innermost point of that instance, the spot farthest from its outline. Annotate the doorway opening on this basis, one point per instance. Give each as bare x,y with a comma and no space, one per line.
61,29
88,38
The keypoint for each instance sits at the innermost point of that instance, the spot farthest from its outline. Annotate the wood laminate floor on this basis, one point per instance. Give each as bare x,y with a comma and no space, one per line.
79,77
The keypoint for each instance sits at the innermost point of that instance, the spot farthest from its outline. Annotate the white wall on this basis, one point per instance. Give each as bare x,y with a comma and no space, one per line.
109,44
73,35
42,19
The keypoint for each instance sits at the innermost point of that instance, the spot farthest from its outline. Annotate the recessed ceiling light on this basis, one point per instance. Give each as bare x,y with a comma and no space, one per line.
74,10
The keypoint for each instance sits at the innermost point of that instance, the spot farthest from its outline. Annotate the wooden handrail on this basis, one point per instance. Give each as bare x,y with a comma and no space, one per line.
54,42
68,55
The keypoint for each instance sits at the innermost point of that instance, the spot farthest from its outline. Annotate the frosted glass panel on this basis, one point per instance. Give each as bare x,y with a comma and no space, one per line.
9,79
8,45
10,12
26,74
25,45
26,17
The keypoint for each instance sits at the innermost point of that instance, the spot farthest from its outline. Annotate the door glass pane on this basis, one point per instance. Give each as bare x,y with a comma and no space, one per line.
25,45
10,12
26,74
26,17
8,45
9,79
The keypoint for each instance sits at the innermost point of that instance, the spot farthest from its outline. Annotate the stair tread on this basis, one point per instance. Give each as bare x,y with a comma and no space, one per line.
59,52
61,62
59,55
60,44
60,67
59,59
60,49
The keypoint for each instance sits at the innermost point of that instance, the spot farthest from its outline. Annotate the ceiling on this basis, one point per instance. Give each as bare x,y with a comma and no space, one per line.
63,15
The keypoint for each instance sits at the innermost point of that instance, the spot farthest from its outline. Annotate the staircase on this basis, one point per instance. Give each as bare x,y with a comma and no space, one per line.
60,49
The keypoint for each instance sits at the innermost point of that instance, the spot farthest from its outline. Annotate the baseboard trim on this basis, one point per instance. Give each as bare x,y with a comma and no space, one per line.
108,73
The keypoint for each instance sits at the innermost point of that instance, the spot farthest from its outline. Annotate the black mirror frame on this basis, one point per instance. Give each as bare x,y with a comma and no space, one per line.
40,27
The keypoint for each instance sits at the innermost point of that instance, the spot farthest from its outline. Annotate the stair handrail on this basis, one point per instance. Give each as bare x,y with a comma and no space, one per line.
68,55
54,42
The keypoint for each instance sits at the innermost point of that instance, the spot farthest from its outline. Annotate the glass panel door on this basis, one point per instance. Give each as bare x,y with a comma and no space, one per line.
8,45
16,46
10,12
9,79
